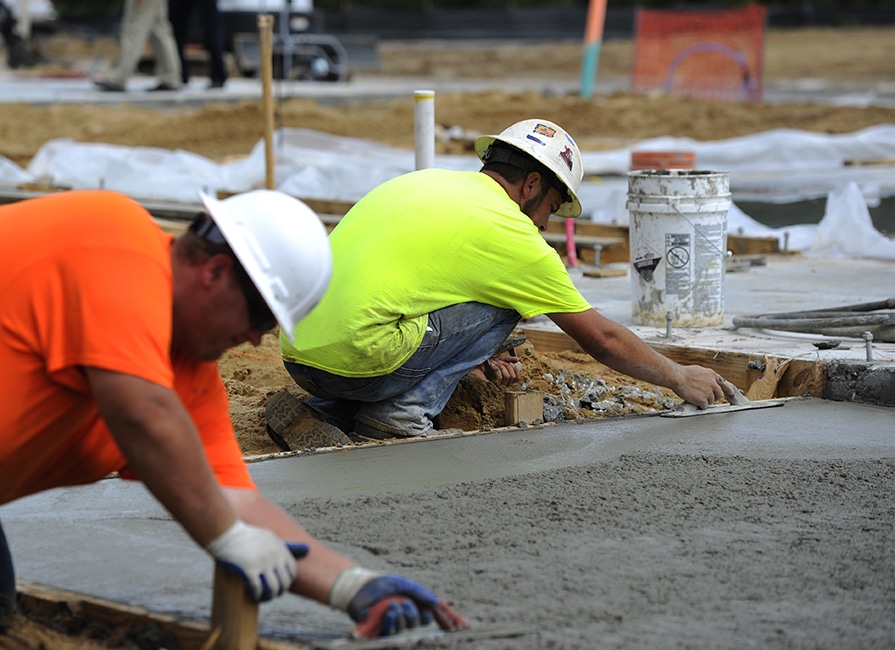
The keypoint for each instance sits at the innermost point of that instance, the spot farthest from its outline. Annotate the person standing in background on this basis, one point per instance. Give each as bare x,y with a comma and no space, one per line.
145,20
180,13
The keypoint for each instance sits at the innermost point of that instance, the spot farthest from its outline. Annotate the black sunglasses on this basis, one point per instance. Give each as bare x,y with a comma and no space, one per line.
260,316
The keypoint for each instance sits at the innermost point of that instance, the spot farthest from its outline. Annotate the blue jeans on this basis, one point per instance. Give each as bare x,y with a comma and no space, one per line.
403,403
7,579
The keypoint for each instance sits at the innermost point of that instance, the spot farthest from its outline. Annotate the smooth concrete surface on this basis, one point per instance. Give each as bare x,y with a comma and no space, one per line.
785,283
22,87
40,91
112,540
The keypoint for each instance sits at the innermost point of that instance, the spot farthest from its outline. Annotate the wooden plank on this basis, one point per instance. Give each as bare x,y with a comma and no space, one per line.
619,251
550,341
328,206
740,245
171,226
43,604
801,378
605,272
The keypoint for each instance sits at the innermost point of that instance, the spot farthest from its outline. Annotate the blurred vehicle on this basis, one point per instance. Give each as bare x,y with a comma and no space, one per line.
19,19
300,50
41,13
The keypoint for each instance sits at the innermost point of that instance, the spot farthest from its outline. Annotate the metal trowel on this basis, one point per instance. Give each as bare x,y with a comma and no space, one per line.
429,635
365,635
736,402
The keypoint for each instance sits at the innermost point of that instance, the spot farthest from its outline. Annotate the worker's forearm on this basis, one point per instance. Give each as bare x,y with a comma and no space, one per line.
619,348
625,352
318,572
158,439
622,350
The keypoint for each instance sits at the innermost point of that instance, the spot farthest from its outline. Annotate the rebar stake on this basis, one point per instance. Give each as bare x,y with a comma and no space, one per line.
868,340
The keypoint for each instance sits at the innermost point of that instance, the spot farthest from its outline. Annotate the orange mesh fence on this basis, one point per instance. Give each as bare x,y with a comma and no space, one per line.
706,54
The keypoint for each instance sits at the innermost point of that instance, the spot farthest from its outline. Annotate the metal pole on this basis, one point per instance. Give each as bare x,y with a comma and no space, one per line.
593,37
265,36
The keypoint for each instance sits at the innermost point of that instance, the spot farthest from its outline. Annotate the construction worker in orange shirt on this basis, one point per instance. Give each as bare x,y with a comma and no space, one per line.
109,336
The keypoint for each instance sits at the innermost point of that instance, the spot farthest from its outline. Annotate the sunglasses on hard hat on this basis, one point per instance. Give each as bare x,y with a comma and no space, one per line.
260,316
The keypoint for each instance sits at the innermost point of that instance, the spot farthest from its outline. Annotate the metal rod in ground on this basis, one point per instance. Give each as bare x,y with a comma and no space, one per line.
868,343
265,37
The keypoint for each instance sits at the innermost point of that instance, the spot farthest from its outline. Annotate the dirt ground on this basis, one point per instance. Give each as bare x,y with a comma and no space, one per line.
224,131
574,386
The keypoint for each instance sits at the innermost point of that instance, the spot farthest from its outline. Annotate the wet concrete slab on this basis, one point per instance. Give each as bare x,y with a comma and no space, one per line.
112,540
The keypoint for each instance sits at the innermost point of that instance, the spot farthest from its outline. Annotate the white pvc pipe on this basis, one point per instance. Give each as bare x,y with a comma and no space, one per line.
424,127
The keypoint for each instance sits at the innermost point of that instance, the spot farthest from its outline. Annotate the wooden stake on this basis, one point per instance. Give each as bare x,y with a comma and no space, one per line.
233,612
523,407
265,36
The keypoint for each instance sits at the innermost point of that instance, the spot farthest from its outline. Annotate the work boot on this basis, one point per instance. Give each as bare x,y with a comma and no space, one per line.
107,86
292,426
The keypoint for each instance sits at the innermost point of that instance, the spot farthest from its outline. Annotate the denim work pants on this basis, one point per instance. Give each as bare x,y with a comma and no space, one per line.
403,403
7,579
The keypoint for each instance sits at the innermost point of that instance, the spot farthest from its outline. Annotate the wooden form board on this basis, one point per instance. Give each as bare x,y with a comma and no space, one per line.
612,241
616,241
802,377
43,604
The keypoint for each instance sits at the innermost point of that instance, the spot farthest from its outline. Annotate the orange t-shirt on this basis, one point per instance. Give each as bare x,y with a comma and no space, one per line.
85,280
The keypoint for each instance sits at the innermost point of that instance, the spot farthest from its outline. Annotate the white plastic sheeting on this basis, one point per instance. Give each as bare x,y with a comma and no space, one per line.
11,175
777,150
846,229
780,165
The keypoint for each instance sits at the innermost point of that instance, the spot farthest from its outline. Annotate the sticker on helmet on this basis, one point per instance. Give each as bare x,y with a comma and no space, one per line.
546,131
566,155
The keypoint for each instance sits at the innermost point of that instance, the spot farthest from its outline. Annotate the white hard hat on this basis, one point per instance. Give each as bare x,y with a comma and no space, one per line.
283,247
550,145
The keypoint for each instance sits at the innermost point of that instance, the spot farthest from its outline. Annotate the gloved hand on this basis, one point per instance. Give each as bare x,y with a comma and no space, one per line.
385,604
265,562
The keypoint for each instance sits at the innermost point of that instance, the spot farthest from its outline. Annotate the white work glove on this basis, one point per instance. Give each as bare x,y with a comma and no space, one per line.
264,561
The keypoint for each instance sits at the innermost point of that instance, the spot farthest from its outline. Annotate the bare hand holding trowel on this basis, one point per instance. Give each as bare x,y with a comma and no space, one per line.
700,386
736,401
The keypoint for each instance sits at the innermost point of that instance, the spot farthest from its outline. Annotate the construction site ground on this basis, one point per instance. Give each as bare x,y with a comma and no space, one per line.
766,527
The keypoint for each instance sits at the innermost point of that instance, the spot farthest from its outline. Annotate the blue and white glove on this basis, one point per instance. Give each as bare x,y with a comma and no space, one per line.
358,591
265,562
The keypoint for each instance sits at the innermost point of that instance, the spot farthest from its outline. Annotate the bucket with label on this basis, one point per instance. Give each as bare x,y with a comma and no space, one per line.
678,238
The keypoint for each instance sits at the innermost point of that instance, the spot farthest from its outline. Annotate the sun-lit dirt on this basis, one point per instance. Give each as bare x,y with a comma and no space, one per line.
567,379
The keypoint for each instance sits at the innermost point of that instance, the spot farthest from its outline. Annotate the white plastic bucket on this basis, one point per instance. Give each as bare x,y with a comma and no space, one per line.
678,236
